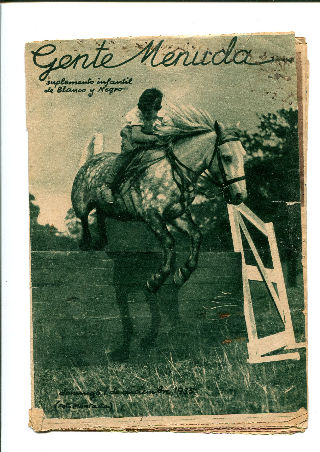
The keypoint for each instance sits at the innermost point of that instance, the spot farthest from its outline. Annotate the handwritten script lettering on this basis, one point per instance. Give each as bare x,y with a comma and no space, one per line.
45,57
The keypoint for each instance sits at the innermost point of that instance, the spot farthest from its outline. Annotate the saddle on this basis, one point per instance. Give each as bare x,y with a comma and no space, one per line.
143,159
139,163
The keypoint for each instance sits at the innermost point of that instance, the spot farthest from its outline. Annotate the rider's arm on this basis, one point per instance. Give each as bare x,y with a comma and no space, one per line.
140,137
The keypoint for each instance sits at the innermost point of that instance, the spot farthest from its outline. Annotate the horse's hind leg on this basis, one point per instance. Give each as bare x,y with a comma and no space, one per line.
159,228
102,240
85,242
186,225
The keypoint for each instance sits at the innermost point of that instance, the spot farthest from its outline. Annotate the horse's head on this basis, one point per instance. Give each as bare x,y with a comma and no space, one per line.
226,165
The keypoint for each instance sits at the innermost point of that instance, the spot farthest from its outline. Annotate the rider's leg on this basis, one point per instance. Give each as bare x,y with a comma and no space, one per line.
120,162
123,159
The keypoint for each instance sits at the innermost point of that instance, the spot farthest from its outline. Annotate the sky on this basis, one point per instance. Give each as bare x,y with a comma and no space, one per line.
60,124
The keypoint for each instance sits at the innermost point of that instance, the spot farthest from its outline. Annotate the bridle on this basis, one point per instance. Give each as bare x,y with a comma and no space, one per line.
225,182
193,176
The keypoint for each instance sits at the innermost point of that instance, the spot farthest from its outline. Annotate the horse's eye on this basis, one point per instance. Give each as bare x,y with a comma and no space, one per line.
227,158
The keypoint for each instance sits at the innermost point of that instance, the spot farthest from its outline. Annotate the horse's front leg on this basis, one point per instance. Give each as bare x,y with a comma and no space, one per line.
159,227
186,225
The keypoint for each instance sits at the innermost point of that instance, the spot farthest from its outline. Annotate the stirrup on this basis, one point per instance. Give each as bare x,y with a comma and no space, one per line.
111,185
114,186
110,192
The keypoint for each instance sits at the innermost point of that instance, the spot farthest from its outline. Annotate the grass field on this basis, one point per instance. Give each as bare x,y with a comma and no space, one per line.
199,367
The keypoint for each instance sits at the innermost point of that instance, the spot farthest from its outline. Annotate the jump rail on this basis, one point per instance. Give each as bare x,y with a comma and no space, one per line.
258,348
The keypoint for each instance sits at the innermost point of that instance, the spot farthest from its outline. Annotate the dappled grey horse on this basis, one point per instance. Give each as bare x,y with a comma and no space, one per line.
162,193
160,190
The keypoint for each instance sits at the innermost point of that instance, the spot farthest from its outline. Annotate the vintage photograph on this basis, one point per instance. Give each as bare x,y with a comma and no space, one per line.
167,228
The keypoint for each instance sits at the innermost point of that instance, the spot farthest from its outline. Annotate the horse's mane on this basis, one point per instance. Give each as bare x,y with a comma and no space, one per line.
187,120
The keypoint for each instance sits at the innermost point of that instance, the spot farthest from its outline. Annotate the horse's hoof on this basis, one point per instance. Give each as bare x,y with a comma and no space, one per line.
119,355
152,286
179,278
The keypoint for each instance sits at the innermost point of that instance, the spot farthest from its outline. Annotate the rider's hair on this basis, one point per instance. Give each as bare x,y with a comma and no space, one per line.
147,98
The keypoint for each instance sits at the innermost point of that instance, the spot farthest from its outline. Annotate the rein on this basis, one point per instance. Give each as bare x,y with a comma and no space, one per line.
225,182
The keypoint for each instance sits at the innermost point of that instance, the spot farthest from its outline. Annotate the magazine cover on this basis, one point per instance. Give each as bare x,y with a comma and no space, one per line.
167,227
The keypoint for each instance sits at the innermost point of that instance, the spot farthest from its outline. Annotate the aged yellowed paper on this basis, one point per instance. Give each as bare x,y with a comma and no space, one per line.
167,220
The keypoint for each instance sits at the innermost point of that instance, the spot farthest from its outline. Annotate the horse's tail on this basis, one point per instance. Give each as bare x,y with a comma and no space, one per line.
93,146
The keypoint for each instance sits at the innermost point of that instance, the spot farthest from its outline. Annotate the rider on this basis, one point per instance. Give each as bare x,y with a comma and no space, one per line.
139,132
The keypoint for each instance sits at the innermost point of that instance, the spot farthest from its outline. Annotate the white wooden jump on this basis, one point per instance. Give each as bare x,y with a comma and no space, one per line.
258,348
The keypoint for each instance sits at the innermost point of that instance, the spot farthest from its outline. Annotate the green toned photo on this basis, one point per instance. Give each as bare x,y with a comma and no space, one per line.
167,209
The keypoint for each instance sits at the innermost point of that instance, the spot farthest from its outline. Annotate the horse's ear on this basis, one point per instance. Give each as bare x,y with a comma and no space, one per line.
219,128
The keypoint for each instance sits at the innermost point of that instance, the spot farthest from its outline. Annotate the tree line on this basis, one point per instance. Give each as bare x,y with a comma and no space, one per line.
273,185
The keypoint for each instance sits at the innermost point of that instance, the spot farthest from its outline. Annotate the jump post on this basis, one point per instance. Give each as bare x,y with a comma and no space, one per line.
258,348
